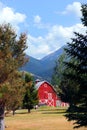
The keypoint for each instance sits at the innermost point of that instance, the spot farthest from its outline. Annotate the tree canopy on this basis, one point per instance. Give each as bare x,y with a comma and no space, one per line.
16,92
12,57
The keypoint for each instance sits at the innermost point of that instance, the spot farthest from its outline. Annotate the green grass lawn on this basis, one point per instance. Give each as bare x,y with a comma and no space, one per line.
44,118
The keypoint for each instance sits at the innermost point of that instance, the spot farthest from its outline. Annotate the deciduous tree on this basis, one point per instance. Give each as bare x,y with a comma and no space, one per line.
58,71
16,92
12,57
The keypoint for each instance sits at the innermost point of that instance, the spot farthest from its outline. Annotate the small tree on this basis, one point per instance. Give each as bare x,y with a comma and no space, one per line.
30,98
16,92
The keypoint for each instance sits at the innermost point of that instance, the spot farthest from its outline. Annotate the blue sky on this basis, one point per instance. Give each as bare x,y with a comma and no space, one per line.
49,24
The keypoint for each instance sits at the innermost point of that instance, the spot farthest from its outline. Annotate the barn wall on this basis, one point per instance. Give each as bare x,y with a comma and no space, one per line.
47,95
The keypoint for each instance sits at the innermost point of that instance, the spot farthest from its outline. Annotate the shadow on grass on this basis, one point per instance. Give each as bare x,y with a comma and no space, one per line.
51,109
16,113
53,112
21,113
43,111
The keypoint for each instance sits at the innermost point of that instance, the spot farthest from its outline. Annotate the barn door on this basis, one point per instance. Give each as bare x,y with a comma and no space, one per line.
50,100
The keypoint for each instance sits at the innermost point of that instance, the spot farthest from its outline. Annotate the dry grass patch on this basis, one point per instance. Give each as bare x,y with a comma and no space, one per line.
41,119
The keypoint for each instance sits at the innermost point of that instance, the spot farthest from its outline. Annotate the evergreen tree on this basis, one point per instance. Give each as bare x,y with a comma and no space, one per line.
73,87
30,97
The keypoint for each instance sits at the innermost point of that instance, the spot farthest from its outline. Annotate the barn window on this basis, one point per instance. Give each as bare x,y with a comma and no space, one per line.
45,85
49,96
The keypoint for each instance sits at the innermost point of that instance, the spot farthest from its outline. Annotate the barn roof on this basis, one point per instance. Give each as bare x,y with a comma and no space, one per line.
41,82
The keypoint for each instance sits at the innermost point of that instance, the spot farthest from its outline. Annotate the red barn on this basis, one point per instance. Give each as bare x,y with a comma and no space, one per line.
47,95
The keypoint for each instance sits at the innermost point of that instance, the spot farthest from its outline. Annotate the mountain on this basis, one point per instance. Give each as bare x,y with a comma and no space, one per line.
53,56
43,68
32,65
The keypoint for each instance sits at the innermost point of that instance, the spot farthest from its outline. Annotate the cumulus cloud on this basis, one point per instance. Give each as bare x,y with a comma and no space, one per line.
39,24
56,37
8,15
74,8
37,46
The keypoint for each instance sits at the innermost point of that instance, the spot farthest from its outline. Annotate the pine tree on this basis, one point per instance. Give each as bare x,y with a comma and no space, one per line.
30,97
74,84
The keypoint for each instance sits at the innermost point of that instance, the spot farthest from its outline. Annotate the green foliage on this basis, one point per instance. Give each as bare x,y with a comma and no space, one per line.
73,88
16,92
12,57
84,14
30,97
58,71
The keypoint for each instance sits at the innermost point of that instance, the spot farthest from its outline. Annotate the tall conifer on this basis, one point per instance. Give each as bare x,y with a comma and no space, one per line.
74,84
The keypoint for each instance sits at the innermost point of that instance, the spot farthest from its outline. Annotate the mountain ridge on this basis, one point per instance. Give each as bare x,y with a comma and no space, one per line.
44,67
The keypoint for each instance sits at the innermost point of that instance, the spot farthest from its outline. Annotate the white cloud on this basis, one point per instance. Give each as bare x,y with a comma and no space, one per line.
54,39
74,8
37,46
37,19
39,24
8,15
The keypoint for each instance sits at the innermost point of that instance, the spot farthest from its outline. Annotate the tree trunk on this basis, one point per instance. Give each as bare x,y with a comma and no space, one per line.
29,111
13,112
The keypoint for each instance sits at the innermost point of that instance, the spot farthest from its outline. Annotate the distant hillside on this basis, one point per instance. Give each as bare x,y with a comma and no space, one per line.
44,67
32,65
